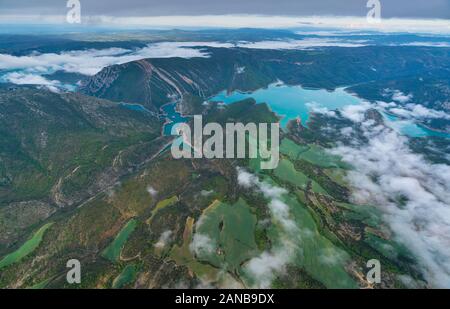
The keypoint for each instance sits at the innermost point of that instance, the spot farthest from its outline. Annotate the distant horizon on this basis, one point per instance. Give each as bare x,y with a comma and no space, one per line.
132,8
239,144
236,21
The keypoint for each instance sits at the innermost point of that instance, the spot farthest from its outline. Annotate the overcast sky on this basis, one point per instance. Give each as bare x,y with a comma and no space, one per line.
390,8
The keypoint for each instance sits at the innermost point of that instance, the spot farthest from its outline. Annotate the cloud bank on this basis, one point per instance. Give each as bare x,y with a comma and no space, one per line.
91,61
30,68
413,193
164,239
417,111
436,26
264,268
302,44
202,244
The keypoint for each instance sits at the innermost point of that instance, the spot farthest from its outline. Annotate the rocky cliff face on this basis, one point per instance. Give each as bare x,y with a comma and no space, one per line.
154,82
57,150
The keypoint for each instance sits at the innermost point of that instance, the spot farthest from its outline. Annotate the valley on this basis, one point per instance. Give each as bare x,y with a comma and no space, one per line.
88,174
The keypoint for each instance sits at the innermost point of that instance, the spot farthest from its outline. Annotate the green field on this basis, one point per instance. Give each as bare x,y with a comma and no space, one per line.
291,149
28,247
127,276
315,187
162,204
232,229
338,175
40,285
368,214
112,252
286,172
316,254
182,255
311,153
319,256
318,156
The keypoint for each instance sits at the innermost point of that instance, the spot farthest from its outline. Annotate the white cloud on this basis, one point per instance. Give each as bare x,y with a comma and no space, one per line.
417,111
28,79
347,131
427,44
268,264
206,192
240,70
91,61
33,79
337,32
318,109
246,179
386,171
163,240
302,44
30,68
87,62
411,111
400,97
152,191
355,112
202,244
265,266
349,23
386,104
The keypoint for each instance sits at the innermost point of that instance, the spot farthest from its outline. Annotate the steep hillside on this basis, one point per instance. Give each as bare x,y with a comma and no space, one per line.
153,82
59,149
193,223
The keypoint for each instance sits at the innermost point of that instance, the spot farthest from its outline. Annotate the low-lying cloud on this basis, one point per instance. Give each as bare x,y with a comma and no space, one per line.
29,79
400,97
349,23
202,244
91,61
30,69
306,43
417,111
264,268
407,112
427,44
315,107
164,239
413,193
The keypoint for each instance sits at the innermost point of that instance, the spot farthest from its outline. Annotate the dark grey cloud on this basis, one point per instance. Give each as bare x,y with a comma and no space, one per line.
390,8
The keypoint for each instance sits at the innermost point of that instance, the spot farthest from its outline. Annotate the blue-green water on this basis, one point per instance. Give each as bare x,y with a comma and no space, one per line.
168,110
172,117
409,128
134,107
290,102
